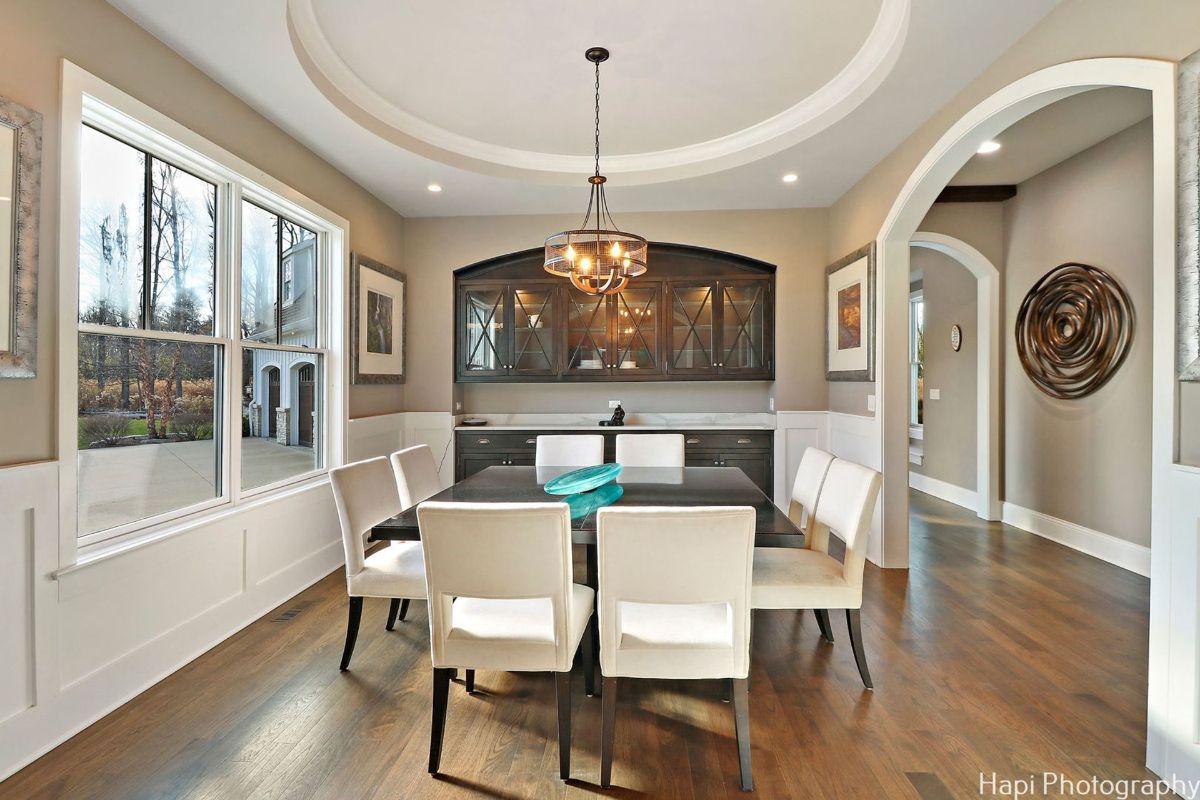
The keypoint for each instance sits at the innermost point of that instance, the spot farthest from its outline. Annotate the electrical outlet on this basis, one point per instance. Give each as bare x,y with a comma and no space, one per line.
458,405
935,394
614,403
870,402
771,404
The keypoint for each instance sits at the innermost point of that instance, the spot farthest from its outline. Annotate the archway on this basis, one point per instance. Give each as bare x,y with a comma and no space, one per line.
987,410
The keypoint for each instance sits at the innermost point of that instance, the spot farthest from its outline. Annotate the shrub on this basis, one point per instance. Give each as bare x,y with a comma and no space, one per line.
191,426
104,429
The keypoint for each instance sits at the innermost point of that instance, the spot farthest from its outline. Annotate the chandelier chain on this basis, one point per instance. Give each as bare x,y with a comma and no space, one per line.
597,117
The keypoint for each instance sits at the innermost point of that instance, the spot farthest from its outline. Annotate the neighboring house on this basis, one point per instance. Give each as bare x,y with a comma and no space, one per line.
281,400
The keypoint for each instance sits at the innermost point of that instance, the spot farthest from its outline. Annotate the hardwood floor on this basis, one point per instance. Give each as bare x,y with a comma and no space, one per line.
997,652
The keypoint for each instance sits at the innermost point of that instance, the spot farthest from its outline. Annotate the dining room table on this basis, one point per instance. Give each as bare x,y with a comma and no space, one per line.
639,486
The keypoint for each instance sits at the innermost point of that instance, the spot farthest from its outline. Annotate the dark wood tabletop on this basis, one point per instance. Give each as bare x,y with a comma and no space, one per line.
643,486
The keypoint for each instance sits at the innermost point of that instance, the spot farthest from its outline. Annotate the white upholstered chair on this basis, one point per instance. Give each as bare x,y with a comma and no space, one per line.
365,494
797,578
416,475
650,449
810,477
510,605
675,603
585,450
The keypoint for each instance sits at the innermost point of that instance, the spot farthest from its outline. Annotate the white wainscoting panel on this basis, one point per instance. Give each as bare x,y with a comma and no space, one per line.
1130,556
107,630
795,431
857,438
944,490
368,437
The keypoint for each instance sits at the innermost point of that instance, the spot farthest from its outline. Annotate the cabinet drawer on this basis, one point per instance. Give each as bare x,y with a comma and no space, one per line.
727,440
487,442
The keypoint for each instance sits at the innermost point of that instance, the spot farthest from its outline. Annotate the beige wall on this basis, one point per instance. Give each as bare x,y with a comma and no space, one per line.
793,240
950,422
1086,461
34,36
1166,29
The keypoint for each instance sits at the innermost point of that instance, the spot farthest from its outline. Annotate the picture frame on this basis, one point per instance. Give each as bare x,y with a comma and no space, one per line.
20,202
1187,307
850,316
378,318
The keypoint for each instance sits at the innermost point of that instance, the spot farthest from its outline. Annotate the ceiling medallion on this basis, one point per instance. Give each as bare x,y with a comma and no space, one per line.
597,257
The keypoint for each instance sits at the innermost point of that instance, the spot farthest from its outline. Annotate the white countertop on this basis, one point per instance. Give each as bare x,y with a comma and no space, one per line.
633,422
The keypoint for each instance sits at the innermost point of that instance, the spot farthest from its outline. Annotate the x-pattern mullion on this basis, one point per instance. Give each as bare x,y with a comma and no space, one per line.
743,322
587,330
637,327
692,325
484,323
536,336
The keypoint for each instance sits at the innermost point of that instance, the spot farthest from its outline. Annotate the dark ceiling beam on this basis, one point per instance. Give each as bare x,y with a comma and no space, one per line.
977,194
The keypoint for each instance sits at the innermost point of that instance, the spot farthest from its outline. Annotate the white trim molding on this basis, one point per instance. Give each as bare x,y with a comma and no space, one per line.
1104,546
943,490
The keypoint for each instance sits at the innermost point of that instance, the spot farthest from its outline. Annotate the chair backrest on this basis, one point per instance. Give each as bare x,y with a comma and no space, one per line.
496,551
810,476
570,451
650,449
672,557
846,506
365,494
416,474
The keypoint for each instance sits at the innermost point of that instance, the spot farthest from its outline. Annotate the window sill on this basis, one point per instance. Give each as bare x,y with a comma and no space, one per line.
104,551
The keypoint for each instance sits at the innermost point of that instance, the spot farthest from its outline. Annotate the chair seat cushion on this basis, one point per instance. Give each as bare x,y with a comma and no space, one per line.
675,626
397,570
786,577
512,635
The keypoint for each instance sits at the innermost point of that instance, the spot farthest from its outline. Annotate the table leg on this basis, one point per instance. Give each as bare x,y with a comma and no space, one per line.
593,631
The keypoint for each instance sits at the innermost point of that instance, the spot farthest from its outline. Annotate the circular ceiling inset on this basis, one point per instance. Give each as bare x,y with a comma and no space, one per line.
503,88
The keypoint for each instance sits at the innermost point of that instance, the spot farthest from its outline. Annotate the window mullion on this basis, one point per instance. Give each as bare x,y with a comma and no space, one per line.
147,199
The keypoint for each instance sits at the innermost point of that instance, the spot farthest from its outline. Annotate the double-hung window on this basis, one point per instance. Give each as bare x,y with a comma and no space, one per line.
916,358
204,327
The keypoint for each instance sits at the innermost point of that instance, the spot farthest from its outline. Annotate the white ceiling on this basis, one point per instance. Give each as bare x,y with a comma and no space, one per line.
1053,134
705,104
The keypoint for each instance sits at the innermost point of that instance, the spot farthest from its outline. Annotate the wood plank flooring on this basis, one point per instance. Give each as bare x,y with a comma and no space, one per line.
997,652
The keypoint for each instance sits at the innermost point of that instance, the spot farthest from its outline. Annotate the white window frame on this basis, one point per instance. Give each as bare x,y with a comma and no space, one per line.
915,298
87,99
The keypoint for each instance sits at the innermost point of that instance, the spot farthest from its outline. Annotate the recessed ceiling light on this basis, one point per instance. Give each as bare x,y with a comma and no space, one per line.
434,187
989,146
791,177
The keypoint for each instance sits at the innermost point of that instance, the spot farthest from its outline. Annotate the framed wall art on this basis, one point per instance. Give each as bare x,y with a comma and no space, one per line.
850,317
377,316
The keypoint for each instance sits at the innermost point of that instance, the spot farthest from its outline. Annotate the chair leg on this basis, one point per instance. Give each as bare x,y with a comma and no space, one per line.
823,622
403,609
726,691
588,657
854,623
356,604
437,730
562,688
741,726
393,610
608,718
470,681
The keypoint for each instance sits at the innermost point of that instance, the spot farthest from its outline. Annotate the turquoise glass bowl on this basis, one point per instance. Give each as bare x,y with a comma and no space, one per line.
583,504
583,480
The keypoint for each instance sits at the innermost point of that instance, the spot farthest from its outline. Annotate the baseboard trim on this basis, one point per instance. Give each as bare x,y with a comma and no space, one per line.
943,490
1127,555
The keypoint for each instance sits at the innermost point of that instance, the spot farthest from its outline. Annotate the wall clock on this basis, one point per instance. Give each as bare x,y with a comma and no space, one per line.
956,337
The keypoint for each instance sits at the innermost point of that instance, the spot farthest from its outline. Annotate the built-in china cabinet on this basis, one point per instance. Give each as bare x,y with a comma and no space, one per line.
698,314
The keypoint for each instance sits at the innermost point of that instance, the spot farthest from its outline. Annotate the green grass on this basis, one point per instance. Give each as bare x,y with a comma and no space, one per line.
137,427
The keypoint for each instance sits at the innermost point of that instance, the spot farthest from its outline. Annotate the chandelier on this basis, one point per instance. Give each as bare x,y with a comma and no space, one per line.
597,257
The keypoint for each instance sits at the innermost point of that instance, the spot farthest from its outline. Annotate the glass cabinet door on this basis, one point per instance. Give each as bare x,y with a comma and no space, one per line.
638,313
534,347
482,348
745,327
586,333
691,327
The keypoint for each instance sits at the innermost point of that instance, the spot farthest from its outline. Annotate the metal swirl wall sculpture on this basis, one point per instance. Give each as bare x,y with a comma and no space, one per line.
1074,330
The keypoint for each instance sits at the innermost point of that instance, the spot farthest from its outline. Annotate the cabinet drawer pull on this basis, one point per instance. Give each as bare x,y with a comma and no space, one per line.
531,441
743,441
483,441
692,441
